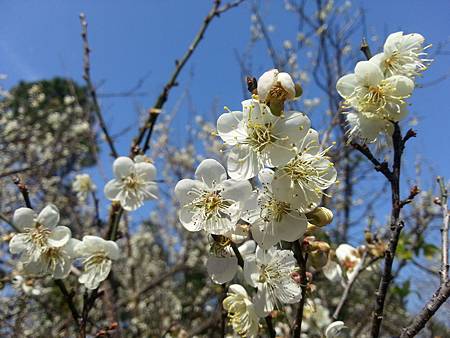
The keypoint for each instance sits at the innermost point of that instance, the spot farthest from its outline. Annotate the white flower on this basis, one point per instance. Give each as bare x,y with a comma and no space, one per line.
402,55
271,272
275,85
302,181
337,330
44,247
272,220
134,182
241,311
349,258
97,255
259,139
222,263
20,283
369,92
83,185
211,202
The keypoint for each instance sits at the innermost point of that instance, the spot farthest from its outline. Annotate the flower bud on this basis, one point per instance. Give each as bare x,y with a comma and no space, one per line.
318,259
274,88
320,216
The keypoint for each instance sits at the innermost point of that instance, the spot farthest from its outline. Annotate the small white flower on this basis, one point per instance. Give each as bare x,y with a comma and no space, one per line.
275,85
272,220
301,182
44,247
376,100
337,330
83,185
134,182
211,202
271,272
222,263
402,55
332,271
241,311
259,139
97,255
349,258
20,283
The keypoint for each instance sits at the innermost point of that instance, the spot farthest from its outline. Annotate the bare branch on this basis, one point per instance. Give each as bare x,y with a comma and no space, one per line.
90,86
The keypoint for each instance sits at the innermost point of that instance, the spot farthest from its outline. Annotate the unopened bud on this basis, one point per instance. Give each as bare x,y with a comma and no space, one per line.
320,216
311,228
298,90
318,259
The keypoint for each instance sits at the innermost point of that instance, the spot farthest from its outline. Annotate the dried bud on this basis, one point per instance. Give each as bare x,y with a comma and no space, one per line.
320,216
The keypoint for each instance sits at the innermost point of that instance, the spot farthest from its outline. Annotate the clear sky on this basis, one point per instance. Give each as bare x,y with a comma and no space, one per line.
132,39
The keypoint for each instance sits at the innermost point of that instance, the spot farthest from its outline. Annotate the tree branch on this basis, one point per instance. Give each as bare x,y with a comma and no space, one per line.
90,87
301,260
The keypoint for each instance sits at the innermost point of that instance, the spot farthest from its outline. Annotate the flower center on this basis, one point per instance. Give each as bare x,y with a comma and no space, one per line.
212,204
278,92
38,235
94,260
131,182
53,257
221,246
259,135
377,98
274,210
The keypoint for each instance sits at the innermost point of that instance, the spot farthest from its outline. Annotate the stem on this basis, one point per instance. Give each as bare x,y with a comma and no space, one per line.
301,260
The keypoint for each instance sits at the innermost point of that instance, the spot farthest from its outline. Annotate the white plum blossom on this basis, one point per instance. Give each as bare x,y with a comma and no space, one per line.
211,202
134,182
337,330
375,101
222,264
272,273
349,258
301,182
83,186
97,255
273,85
402,55
272,220
258,138
241,311
44,247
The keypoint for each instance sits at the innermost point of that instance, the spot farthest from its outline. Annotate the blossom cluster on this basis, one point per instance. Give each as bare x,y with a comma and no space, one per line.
269,194
375,94
46,248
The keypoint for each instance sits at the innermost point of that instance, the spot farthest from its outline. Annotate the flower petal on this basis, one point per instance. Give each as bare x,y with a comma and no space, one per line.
18,243
346,85
184,190
123,166
49,216
112,189
368,73
210,172
238,191
59,236
291,227
231,128
146,170
221,269
243,163
24,218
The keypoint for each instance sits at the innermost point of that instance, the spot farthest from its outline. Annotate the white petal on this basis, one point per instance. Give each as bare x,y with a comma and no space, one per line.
150,191
184,188
368,73
291,227
49,216
189,220
238,289
251,271
112,189
243,163
231,128
332,271
344,251
90,245
265,238
247,248
146,170
59,236
379,59
221,269
294,125
346,85
278,153
18,243
265,83
288,85
263,303
265,176
112,250
391,42
402,84
24,218
210,172
123,166
238,191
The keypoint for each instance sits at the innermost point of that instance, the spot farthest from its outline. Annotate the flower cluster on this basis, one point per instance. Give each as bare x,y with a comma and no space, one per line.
375,94
269,193
48,249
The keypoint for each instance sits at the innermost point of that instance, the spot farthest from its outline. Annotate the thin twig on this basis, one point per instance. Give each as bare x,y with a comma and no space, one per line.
301,260
444,230
90,86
